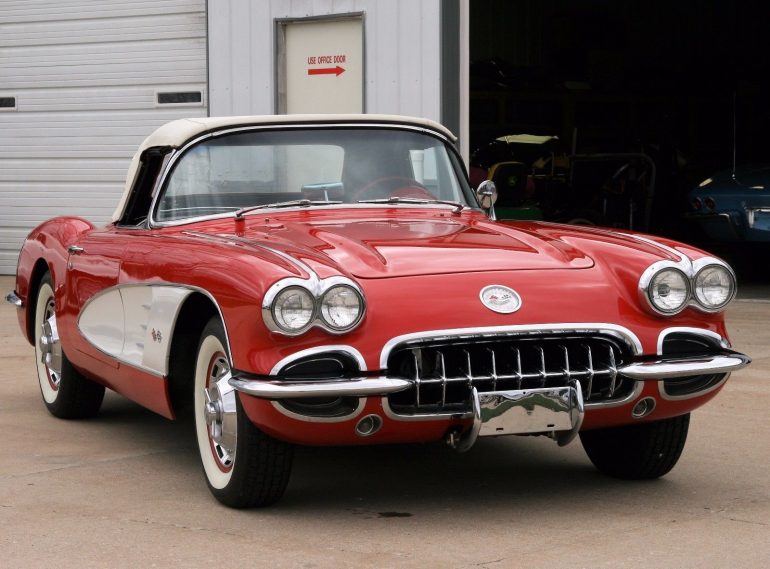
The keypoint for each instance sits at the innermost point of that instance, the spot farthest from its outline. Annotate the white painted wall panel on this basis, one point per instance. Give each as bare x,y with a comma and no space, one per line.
402,49
85,76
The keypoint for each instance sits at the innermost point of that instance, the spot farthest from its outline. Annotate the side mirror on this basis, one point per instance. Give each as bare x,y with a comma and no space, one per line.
486,195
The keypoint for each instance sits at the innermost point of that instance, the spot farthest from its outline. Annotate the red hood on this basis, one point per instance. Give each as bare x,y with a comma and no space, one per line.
380,245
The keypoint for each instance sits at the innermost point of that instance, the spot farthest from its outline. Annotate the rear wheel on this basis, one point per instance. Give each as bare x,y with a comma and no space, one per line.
244,467
66,393
639,451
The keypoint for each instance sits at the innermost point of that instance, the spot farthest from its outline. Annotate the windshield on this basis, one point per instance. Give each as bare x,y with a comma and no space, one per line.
321,166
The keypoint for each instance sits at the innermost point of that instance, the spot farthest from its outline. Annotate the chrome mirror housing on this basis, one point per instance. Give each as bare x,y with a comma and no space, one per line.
486,195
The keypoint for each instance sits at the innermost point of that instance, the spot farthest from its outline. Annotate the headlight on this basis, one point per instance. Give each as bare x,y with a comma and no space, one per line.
714,287
341,307
293,309
669,290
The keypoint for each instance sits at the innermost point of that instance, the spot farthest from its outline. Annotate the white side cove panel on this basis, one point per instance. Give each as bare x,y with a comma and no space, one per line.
134,323
88,82
402,48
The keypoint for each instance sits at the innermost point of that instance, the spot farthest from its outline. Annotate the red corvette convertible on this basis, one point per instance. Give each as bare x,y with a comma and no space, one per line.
334,280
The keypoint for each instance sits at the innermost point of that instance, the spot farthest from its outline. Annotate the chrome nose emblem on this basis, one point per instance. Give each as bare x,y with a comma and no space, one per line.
499,298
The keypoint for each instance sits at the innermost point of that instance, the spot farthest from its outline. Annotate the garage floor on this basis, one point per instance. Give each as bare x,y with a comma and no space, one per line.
125,490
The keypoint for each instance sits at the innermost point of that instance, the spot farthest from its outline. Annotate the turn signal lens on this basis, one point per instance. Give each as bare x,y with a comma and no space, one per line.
341,307
669,290
293,309
714,287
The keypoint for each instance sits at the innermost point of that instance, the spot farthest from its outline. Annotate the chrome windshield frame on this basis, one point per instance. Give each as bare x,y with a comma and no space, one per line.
456,164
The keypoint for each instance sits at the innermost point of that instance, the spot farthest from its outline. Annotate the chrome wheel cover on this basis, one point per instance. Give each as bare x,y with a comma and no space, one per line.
219,411
50,345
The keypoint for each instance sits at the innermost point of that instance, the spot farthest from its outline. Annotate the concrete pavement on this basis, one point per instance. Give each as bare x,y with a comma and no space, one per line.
125,490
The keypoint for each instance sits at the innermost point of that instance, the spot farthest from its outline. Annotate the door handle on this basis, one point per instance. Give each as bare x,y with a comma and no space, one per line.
74,249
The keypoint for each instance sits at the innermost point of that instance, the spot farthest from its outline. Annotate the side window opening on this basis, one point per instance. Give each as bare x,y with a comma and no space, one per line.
140,200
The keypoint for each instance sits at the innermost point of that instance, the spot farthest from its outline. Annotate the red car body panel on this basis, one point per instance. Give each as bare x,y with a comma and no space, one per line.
442,259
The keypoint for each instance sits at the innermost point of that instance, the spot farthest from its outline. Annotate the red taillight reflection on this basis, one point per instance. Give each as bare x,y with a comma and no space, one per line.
710,203
697,204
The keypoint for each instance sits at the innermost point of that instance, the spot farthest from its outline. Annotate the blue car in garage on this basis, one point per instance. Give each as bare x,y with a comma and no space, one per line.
733,206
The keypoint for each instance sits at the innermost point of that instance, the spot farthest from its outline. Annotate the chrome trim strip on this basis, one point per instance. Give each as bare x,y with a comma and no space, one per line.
354,387
668,397
689,330
355,354
490,331
685,367
14,299
684,259
309,419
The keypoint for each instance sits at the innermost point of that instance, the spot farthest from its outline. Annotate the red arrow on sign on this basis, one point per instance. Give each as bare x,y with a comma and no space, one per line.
327,71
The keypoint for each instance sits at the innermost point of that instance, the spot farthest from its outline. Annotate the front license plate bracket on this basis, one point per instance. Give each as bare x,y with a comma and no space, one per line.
557,411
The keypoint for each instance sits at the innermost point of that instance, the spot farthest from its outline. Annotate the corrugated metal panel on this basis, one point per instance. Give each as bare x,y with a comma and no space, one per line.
402,45
85,77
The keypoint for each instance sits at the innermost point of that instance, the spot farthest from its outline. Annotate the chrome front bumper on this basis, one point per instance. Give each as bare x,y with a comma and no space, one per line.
353,387
556,411
655,370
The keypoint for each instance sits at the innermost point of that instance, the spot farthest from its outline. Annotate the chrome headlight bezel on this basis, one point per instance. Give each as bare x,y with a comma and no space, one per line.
322,312
277,318
317,289
650,292
727,270
690,270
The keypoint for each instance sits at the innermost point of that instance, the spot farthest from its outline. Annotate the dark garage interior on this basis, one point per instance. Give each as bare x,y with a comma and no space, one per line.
670,80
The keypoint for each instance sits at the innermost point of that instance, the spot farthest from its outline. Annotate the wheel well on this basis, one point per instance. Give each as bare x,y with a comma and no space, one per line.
38,271
196,311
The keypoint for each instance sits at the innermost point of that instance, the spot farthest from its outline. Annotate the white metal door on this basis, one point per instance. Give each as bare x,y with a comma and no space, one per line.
81,84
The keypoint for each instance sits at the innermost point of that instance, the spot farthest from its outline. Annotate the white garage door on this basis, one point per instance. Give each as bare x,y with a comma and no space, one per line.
81,84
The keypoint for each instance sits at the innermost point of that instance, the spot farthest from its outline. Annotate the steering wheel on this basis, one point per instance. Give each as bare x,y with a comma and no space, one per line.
394,187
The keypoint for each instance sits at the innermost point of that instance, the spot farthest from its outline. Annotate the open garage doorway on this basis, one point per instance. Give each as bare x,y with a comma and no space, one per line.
664,84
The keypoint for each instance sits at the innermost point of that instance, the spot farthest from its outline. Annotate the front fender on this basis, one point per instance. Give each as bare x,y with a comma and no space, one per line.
45,248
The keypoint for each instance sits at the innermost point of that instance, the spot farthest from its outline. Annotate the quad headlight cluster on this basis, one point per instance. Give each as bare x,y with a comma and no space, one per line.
293,306
707,284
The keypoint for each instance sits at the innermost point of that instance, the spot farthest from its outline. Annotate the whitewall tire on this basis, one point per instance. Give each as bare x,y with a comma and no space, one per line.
67,394
244,467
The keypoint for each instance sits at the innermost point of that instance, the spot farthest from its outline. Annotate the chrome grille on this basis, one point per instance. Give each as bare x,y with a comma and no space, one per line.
443,372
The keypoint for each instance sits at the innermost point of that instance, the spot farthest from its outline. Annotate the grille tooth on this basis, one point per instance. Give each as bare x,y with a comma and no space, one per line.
445,371
441,367
589,370
613,372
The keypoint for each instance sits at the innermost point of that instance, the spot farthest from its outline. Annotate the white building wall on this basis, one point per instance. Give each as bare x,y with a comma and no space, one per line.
85,76
402,53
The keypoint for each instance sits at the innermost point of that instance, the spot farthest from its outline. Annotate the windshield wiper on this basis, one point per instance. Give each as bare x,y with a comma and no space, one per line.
396,200
291,203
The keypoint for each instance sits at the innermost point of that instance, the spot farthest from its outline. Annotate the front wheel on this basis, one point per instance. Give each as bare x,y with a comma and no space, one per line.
244,467
637,452
67,394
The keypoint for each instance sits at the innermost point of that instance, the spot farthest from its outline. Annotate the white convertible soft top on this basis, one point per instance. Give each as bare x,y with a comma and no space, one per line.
176,133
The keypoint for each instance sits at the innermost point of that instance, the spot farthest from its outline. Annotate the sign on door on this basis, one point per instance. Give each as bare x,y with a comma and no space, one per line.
322,66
